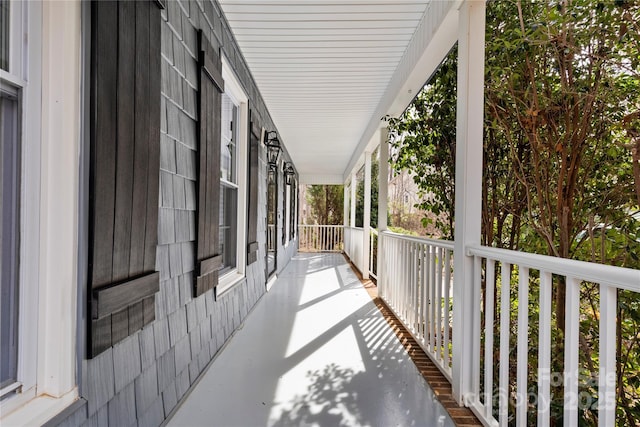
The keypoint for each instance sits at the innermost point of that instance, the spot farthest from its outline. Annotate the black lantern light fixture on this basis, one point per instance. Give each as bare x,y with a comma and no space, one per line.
273,148
289,173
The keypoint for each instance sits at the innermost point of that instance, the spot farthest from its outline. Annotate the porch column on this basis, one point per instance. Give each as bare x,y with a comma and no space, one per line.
366,222
383,184
345,203
383,191
468,201
352,222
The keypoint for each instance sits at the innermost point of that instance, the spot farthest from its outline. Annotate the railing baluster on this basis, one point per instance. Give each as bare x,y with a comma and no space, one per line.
607,380
414,288
475,345
572,331
417,247
523,346
425,295
432,284
447,322
427,284
437,302
418,284
544,350
505,326
405,283
488,336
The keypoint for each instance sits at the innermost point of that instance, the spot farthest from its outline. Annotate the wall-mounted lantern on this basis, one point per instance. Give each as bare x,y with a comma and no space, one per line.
289,173
273,149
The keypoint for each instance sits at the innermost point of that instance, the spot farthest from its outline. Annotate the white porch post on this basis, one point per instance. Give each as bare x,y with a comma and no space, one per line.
366,223
352,222
468,202
383,185
383,191
345,216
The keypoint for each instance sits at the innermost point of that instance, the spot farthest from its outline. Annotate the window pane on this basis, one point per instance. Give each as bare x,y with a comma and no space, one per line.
9,238
228,140
272,186
228,189
228,227
4,34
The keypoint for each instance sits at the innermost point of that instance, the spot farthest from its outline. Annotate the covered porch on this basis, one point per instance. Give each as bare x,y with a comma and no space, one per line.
315,350
328,91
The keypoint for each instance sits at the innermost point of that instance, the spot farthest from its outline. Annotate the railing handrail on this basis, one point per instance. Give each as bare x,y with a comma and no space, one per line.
619,277
319,225
446,244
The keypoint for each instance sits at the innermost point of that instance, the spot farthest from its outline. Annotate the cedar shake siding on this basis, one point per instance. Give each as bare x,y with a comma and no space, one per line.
138,377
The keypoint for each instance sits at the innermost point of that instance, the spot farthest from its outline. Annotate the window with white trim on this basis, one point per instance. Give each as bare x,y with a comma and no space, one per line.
9,235
40,123
228,184
233,180
5,36
12,313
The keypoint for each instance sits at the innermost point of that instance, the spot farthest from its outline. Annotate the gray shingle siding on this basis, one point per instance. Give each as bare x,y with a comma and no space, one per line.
142,379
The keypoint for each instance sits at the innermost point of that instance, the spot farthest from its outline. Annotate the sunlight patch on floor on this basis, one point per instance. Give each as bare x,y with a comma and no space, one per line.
322,377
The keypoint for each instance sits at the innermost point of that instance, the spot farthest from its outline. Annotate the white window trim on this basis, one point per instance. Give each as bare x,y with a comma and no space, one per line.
234,90
46,67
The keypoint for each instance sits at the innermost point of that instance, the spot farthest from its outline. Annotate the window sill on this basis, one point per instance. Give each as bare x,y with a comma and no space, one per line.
38,410
229,281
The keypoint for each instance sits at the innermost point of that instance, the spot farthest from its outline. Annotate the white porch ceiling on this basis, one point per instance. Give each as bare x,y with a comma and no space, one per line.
330,69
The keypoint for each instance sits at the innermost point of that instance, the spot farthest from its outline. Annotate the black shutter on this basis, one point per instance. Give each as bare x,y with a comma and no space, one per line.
284,206
253,178
209,261
125,169
293,204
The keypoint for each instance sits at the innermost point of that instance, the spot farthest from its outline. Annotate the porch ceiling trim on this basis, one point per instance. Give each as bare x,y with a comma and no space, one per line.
330,70
435,36
311,179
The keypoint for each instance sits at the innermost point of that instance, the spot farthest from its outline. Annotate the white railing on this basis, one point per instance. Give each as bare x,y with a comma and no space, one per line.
536,276
354,246
416,283
373,253
321,238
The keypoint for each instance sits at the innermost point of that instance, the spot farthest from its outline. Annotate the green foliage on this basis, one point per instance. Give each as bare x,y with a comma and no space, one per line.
561,141
401,230
326,203
423,140
556,93
374,196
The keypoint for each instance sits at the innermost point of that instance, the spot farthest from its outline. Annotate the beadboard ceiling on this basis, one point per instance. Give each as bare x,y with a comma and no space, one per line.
330,69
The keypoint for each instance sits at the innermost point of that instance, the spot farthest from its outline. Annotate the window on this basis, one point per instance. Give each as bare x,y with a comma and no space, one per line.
9,235
4,34
233,179
39,176
228,184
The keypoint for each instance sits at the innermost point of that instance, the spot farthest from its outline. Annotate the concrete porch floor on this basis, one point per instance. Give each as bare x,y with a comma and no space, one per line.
315,351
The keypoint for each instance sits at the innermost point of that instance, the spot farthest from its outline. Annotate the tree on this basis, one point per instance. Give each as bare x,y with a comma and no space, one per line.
326,203
374,196
561,156
423,140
